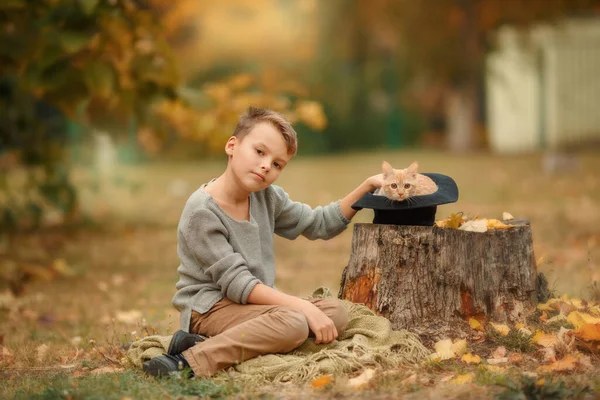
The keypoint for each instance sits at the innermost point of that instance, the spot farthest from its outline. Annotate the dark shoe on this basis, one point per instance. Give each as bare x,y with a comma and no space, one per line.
165,364
182,341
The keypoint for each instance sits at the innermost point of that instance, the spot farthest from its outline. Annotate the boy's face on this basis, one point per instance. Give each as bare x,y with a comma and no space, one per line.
258,158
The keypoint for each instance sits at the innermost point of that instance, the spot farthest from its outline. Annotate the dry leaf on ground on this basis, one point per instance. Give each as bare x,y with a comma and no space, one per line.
502,329
549,355
565,364
459,347
462,379
6,356
475,324
544,339
362,380
321,381
471,359
500,352
41,352
579,319
589,332
443,350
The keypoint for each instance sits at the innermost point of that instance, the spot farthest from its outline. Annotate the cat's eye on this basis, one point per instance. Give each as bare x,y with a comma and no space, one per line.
394,186
407,186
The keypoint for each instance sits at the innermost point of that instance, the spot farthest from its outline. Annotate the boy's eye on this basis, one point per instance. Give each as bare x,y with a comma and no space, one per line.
259,151
277,165
394,186
407,186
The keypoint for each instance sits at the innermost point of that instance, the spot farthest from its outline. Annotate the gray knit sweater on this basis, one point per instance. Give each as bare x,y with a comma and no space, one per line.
221,257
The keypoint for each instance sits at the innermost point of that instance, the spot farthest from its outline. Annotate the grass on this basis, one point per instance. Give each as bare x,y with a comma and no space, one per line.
127,384
126,265
515,340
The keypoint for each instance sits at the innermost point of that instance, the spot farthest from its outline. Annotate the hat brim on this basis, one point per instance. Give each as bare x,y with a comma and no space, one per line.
447,193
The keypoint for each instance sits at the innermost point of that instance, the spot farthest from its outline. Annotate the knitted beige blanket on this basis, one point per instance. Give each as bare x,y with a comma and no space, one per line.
367,342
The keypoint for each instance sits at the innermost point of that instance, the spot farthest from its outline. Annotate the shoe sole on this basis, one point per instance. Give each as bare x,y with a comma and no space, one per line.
157,368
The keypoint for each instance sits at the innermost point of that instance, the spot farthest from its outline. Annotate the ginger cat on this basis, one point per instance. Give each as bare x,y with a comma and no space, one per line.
402,184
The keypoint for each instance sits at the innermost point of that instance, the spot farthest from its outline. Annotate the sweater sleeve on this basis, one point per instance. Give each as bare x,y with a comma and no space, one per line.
206,238
293,218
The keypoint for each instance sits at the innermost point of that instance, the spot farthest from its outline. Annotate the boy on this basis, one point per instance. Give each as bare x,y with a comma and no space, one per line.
227,271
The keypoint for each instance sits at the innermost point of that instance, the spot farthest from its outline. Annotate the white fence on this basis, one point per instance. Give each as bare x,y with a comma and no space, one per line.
543,88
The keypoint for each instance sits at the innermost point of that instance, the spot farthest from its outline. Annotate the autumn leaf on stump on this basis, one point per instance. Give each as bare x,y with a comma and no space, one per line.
454,221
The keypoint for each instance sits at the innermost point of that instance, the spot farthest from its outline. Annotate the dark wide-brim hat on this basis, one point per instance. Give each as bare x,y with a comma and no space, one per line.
417,210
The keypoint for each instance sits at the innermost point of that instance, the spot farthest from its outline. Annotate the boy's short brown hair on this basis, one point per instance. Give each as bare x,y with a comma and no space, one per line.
256,115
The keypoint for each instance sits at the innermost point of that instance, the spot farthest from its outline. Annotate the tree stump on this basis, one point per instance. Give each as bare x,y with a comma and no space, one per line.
430,280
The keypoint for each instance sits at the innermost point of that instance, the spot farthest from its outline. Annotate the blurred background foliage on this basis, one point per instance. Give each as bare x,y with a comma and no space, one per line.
162,79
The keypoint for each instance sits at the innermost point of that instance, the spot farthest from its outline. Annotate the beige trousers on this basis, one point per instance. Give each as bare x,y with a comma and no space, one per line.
239,332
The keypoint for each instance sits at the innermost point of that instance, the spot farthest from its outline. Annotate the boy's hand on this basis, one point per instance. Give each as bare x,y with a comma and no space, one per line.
375,181
321,325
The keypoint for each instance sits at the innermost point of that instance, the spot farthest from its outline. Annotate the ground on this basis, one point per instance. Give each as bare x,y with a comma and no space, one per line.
111,281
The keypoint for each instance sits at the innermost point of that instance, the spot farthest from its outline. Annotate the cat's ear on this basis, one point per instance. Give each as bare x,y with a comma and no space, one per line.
412,168
386,168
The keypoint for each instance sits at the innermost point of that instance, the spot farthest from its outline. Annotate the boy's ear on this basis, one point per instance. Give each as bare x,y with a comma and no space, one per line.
230,145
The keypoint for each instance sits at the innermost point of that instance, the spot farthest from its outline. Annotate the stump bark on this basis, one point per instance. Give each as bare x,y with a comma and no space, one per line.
427,279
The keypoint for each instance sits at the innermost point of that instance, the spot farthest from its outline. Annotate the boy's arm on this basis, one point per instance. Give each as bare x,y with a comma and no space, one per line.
293,218
321,325
370,184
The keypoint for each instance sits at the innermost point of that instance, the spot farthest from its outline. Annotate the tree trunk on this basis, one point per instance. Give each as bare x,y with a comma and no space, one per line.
430,280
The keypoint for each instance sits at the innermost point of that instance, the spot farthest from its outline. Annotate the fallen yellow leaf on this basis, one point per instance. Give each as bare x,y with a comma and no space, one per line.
578,319
462,379
544,339
557,318
567,363
474,324
589,332
321,381
443,350
546,306
502,329
459,347
470,359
